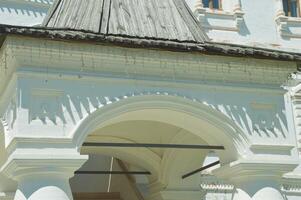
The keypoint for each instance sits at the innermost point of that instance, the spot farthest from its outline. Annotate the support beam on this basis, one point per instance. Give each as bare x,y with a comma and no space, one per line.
200,169
147,145
113,172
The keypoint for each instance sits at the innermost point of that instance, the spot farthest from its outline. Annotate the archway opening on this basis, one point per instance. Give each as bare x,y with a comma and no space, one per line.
157,124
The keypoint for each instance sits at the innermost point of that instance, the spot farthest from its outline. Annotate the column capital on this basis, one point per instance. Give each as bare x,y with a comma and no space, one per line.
239,171
43,173
256,180
18,165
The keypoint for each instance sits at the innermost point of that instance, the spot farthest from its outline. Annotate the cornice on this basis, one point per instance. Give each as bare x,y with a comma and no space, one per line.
272,148
27,165
211,183
33,141
145,63
246,170
285,24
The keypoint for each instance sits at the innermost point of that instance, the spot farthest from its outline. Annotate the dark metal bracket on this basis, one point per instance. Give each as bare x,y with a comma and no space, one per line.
200,169
113,172
147,145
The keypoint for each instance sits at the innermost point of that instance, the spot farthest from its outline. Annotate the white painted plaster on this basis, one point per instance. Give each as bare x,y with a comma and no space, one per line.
56,95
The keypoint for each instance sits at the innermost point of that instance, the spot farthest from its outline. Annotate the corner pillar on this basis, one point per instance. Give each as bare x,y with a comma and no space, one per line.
41,173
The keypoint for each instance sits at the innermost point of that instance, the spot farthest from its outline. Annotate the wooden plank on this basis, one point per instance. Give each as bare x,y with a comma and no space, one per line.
93,15
106,12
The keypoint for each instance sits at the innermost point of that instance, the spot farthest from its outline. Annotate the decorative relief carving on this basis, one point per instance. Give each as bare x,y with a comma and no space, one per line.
210,182
291,186
215,188
235,16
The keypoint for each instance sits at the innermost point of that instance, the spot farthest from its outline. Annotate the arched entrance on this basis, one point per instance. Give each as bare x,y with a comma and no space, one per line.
161,119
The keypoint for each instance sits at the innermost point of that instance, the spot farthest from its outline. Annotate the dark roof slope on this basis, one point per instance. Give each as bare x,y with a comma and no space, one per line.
160,19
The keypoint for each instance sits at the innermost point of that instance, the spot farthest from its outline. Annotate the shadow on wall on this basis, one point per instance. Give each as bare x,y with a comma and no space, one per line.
258,119
36,9
226,22
258,115
292,30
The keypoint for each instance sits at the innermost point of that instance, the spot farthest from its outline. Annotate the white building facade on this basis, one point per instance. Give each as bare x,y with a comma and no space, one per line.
106,76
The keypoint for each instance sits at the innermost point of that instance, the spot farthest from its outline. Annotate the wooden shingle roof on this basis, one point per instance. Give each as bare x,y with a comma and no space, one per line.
153,19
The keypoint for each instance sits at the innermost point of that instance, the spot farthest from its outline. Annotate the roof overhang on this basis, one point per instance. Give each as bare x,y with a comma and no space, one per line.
151,43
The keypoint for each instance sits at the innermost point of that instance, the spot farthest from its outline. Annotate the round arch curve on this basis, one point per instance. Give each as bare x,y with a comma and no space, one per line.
182,112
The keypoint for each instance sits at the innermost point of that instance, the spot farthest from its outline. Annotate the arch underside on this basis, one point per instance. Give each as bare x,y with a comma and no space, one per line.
160,119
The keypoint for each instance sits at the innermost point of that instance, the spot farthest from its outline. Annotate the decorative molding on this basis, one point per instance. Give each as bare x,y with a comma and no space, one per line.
19,165
294,99
242,170
236,16
210,183
272,148
291,186
285,23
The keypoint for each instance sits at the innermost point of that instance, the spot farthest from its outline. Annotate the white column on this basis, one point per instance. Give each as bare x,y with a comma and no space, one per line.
43,186
257,189
43,177
255,181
